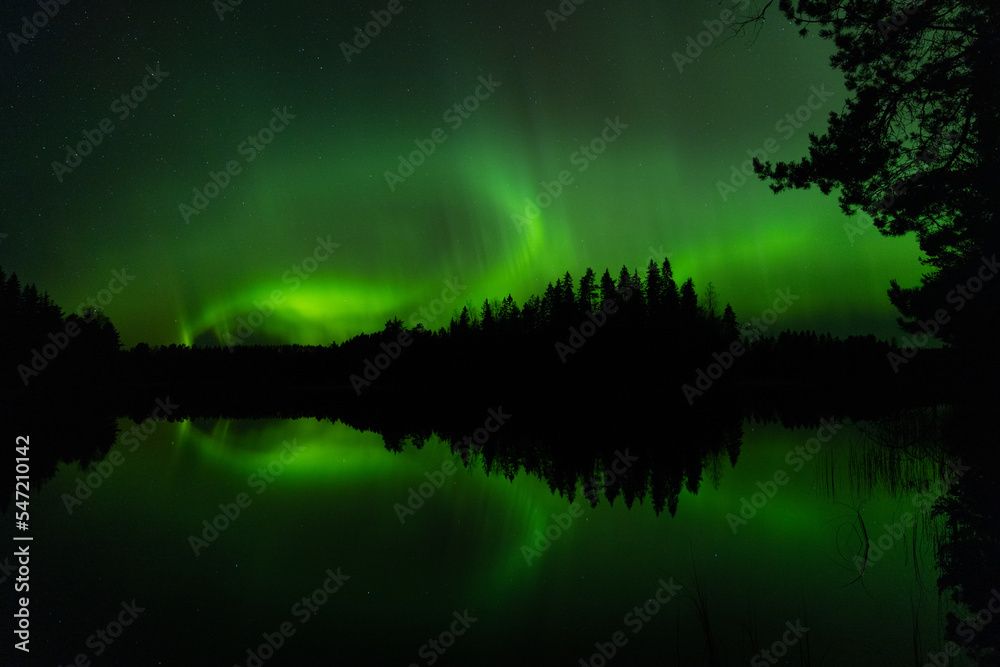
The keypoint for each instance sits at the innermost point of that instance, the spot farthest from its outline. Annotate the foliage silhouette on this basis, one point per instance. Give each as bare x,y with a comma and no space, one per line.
917,146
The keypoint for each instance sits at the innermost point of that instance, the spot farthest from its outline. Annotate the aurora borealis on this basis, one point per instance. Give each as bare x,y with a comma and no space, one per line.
229,173
332,504
486,153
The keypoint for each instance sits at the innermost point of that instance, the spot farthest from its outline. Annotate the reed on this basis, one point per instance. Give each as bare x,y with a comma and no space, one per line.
698,599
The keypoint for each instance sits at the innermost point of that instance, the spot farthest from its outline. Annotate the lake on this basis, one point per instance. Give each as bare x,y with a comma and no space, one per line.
287,542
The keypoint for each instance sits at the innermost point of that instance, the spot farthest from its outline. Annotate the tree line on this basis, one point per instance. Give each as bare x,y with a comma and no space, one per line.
41,347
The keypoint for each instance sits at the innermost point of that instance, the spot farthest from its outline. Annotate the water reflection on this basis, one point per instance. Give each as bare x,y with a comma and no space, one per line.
711,540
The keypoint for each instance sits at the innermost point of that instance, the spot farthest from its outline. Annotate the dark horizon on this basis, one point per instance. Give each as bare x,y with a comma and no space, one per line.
303,359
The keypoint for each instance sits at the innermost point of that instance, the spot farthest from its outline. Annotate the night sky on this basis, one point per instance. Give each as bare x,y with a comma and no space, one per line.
308,213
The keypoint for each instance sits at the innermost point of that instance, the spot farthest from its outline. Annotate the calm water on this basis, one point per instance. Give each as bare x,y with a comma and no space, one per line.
465,578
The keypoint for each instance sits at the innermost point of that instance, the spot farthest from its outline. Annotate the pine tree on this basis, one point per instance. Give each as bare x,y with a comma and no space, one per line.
917,143
531,314
671,299
568,297
730,331
624,284
587,291
638,297
689,300
550,303
489,322
654,290
710,301
608,292
509,310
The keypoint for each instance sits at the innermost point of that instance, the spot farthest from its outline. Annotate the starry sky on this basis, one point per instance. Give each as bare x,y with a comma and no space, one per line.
275,161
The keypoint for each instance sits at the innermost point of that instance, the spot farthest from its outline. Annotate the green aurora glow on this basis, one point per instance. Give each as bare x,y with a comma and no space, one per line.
655,186
464,546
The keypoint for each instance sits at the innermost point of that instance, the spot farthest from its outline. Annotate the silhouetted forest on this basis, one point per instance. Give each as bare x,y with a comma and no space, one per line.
969,556
589,374
41,348
582,365
632,343
580,339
